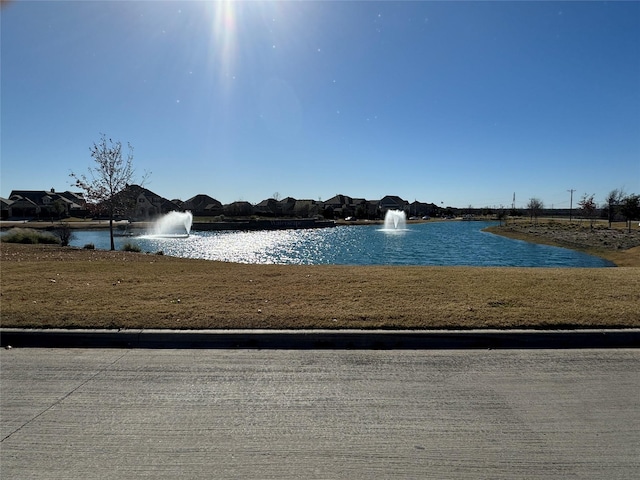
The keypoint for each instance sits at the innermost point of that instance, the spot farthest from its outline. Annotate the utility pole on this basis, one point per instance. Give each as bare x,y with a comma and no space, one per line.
571,204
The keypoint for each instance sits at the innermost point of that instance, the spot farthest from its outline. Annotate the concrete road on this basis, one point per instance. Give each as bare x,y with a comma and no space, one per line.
289,414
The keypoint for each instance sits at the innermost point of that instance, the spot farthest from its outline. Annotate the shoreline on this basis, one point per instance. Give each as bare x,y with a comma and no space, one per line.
615,244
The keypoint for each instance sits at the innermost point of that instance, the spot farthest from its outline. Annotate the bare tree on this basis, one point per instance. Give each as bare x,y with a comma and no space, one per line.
588,207
535,207
501,215
614,199
110,176
65,233
630,209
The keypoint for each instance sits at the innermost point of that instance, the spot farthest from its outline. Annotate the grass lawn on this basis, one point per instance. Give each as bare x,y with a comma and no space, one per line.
50,286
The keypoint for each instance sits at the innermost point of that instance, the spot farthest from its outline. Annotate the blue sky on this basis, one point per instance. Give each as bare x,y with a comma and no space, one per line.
456,103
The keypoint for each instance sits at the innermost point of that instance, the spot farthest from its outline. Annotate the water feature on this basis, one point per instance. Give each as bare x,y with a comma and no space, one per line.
445,243
173,224
395,220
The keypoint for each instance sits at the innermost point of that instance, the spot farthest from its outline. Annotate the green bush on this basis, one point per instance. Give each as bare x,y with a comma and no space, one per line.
131,247
31,236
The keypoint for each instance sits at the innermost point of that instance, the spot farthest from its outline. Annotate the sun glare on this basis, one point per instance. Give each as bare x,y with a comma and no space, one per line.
225,36
242,31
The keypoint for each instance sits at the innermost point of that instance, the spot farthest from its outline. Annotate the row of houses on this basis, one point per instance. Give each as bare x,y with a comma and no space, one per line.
41,204
136,202
139,203
339,206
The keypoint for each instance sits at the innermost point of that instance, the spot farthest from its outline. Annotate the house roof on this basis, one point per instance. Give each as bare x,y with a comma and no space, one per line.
167,205
21,202
201,202
137,190
75,197
38,197
266,203
339,200
393,200
34,196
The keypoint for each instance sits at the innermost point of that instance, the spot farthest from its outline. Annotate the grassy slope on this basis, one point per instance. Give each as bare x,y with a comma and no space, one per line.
45,286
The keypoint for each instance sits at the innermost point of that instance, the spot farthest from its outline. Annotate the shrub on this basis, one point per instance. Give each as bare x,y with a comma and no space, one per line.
65,233
31,236
89,246
131,247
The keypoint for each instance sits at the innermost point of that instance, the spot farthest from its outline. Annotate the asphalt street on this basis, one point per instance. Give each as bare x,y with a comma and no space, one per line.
233,413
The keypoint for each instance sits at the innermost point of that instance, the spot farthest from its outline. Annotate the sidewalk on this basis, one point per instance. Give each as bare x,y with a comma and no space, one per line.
108,413
322,339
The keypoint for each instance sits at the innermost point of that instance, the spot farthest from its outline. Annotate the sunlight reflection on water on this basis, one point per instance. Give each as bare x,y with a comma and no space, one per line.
438,243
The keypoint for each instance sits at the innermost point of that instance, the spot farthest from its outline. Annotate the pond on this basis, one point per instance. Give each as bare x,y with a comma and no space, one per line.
432,243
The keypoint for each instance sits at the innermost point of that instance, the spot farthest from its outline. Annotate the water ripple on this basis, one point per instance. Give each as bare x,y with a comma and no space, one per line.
437,243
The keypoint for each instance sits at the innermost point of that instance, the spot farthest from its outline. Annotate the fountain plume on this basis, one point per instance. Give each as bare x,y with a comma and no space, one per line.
173,223
395,220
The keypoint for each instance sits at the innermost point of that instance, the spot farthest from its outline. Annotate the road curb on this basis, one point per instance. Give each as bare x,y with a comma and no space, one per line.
321,339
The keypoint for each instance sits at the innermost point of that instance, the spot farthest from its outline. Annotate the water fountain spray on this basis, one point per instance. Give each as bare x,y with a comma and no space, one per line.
173,224
395,220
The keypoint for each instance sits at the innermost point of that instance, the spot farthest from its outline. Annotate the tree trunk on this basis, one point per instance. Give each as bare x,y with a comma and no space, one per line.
113,245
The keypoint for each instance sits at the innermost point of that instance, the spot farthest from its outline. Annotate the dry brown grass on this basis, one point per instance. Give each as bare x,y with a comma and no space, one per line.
46,286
